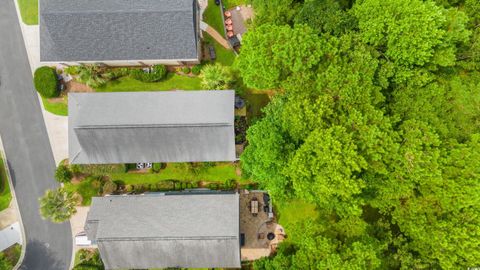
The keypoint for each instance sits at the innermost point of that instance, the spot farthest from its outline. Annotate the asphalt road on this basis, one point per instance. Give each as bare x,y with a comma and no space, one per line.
49,246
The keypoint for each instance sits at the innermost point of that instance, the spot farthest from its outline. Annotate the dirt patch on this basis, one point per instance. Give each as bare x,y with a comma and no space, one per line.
74,86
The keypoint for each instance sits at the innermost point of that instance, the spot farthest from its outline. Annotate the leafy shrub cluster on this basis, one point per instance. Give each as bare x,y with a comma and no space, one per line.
157,73
63,174
89,260
109,187
196,69
102,169
46,83
186,70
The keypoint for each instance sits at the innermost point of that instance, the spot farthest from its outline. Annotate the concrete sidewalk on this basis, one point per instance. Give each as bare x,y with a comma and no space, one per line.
57,126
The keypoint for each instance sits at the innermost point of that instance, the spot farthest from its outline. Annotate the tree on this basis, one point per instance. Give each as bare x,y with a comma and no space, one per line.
216,77
380,133
93,75
63,174
58,205
46,83
270,54
277,12
411,32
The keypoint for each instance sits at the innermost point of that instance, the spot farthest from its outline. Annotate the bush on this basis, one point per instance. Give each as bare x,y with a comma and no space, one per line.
156,167
75,168
46,83
109,187
72,70
63,174
216,77
196,69
158,73
186,70
103,169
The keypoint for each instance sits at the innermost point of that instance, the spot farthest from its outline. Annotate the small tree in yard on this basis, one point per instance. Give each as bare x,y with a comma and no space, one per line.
63,174
216,77
46,83
58,205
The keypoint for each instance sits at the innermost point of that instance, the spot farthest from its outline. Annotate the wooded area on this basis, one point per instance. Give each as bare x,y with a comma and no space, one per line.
376,121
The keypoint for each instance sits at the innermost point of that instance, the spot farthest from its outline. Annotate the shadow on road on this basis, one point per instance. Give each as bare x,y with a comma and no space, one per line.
39,256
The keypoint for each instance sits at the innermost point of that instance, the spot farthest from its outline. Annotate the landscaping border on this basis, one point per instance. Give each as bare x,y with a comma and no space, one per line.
14,198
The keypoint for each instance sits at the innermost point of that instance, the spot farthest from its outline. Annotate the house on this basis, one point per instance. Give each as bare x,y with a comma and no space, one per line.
119,32
161,230
160,126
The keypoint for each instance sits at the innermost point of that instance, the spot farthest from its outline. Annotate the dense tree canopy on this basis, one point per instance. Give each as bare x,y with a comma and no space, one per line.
376,121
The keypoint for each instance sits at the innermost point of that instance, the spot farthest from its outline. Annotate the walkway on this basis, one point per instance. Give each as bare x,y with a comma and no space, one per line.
57,126
49,246
213,33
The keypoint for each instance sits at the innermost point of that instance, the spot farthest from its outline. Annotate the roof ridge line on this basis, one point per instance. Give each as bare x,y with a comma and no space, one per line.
97,11
153,125
167,238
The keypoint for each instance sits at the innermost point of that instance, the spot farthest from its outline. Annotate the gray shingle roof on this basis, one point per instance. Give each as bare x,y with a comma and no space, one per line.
91,30
164,126
159,231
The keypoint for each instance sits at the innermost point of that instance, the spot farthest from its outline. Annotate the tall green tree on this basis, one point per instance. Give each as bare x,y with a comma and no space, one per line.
271,53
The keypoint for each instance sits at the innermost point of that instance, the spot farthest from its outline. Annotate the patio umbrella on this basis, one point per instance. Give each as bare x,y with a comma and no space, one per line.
228,21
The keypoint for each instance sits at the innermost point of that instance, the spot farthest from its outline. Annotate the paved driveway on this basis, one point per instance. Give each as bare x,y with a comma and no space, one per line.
27,147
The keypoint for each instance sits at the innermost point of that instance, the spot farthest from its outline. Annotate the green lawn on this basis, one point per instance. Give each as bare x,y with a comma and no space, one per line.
5,195
213,17
175,171
171,82
58,108
224,56
294,211
233,3
88,188
29,11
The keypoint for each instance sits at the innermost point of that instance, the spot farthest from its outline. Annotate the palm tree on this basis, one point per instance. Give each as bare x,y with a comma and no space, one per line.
58,205
92,75
216,77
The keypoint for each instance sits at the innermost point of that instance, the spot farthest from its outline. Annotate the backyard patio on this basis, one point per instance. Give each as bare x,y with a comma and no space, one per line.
259,232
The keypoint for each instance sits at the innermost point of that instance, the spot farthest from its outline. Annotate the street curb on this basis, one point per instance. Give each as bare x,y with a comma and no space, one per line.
14,198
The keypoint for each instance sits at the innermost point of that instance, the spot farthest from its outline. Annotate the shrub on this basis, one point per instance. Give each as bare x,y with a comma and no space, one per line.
93,75
156,167
72,70
109,187
103,169
196,69
75,168
216,77
158,73
46,83
186,70
63,174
